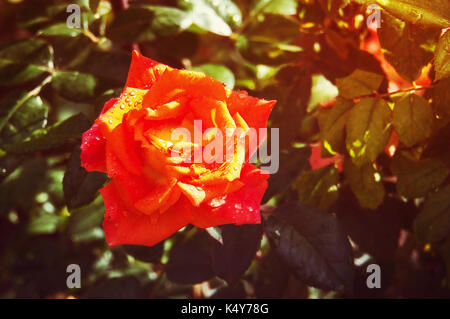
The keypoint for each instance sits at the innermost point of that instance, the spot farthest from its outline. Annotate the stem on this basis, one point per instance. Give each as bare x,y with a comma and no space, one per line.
376,94
405,90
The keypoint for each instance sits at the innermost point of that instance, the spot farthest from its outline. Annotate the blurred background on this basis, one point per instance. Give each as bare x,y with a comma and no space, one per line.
55,79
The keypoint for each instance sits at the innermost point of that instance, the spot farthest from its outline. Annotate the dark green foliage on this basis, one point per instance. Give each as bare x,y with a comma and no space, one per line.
362,179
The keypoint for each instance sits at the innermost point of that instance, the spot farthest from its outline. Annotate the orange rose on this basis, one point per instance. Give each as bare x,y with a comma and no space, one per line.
156,191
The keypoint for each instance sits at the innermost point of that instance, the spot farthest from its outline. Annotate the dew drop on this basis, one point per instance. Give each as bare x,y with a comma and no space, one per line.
216,202
122,106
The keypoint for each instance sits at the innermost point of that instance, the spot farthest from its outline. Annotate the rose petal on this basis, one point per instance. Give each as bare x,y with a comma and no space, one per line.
93,146
124,227
139,75
254,111
121,142
193,84
132,187
240,207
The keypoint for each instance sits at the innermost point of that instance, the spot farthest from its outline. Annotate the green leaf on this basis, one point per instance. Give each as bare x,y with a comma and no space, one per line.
292,163
365,182
442,57
359,83
52,137
430,13
407,47
413,119
131,25
19,189
25,60
440,95
74,85
45,223
271,40
217,71
80,187
147,254
332,125
85,224
318,188
190,261
60,29
270,278
287,7
368,130
374,232
20,115
93,5
240,244
417,179
215,233
292,91
312,245
218,17
168,20
433,222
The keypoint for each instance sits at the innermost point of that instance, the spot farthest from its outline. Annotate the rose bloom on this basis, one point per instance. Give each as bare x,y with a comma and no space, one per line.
152,193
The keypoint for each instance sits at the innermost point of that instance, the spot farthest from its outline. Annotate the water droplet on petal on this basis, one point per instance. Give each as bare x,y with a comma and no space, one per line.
216,202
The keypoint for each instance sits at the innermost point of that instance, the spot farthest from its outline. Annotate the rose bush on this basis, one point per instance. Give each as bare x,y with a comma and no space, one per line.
153,193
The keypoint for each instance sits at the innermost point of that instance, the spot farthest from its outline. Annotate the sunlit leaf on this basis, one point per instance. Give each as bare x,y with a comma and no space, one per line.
442,57
365,182
287,7
318,188
219,72
407,47
413,119
431,13
332,125
359,83
368,130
